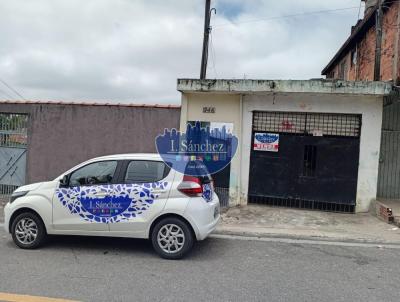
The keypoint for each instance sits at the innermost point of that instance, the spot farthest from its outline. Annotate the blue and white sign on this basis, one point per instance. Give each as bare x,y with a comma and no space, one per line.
266,142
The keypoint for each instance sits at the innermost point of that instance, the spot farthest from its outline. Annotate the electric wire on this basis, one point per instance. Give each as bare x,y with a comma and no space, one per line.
11,88
6,94
213,58
287,16
359,10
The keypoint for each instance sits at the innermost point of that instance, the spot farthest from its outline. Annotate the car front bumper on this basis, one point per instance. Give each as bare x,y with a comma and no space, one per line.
7,213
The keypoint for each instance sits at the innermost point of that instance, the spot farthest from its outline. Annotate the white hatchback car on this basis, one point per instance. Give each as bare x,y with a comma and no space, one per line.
131,195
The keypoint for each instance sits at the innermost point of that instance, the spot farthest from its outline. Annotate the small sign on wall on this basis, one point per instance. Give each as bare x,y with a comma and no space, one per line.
266,142
317,132
208,109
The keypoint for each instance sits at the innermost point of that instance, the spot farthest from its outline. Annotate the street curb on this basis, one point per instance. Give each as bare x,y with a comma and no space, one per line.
302,237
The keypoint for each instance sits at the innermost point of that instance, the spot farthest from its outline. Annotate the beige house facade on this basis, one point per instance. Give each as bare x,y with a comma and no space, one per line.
328,139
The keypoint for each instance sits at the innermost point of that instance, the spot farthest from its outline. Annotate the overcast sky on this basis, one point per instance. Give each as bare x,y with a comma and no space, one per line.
134,50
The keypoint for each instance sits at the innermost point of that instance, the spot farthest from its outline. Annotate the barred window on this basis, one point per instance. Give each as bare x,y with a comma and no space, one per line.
317,124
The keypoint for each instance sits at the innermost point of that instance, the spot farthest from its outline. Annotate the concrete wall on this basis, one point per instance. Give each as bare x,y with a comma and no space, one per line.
369,106
61,136
227,110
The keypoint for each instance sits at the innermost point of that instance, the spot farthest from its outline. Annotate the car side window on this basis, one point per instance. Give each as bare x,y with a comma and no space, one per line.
142,171
94,173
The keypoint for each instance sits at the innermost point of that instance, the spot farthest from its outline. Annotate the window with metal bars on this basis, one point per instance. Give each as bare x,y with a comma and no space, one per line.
313,124
13,130
310,160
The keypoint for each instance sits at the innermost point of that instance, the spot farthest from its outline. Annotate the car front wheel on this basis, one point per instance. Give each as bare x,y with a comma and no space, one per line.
28,231
172,238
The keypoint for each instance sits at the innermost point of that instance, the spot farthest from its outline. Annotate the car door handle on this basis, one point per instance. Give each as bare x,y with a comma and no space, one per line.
102,194
158,191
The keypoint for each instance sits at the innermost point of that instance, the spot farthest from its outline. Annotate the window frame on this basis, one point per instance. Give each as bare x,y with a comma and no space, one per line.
117,173
309,163
343,70
125,165
354,57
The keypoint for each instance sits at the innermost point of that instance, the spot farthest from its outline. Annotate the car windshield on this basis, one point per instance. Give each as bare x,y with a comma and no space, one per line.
95,173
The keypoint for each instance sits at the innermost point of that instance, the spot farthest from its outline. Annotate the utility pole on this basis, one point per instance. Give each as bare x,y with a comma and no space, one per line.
207,30
378,47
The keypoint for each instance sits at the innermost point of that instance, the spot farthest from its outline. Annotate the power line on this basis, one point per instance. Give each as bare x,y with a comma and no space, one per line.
213,55
11,88
288,16
6,94
359,10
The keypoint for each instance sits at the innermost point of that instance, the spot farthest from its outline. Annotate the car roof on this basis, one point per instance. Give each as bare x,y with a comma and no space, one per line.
153,156
127,156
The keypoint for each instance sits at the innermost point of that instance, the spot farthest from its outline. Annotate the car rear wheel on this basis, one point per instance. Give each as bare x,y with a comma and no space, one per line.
172,238
28,231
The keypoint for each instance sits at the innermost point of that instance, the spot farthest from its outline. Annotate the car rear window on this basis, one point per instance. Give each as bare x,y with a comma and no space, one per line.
198,168
143,171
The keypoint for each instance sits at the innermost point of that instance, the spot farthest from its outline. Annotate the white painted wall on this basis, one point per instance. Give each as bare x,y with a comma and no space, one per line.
369,106
237,109
227,110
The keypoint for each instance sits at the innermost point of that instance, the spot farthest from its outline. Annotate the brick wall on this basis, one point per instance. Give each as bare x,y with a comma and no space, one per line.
366,57
363,70
390,38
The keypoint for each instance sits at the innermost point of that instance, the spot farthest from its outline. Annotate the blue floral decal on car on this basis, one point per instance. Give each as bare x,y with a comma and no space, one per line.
109,203
207,192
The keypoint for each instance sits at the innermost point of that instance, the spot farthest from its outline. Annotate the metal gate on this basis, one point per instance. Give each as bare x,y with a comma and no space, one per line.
13,144
221,182
316,163
389,162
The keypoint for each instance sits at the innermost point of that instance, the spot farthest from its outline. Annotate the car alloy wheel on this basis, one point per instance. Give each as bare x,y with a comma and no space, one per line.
171,238
26,231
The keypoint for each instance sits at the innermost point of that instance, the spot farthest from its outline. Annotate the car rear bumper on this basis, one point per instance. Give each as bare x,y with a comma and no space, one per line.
204,231
204,216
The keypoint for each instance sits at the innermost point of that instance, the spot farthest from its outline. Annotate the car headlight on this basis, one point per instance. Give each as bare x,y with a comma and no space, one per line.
16,195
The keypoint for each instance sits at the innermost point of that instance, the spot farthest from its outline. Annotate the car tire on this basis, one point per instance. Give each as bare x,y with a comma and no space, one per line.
172,238
28,231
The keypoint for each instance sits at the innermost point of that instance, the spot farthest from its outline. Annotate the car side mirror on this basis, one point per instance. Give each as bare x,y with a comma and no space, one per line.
64,181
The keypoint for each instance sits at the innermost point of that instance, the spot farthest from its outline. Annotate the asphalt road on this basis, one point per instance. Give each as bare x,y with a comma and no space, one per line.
107,269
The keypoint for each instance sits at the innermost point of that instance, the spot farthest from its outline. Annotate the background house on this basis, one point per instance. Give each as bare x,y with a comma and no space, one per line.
355,60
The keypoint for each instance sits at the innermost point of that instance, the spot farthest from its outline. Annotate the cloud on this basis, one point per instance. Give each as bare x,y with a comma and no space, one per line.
134,50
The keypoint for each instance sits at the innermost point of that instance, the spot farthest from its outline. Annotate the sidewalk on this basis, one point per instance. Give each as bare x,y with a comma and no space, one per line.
264,221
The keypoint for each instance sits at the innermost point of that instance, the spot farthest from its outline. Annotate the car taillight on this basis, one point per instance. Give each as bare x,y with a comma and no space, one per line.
191,186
